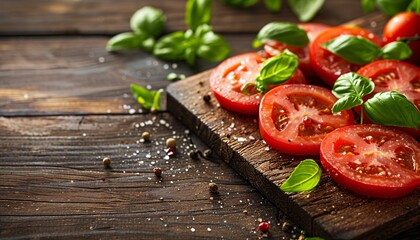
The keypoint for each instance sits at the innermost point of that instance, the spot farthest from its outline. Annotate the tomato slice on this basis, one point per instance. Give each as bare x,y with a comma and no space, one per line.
294,118
228,77
393,75
329,66
372,160
274,48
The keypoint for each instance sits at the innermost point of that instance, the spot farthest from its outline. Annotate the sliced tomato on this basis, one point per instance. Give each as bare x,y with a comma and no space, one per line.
295,118
274,48
372,160
228,78
329,66
393,75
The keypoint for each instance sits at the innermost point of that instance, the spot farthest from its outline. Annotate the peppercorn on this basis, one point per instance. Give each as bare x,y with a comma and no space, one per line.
213,187
263,227
206,98
107,162
171,143
157,171
146,136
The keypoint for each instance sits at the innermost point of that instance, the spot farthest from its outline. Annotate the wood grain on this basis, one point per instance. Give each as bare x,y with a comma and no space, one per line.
27,17
53,183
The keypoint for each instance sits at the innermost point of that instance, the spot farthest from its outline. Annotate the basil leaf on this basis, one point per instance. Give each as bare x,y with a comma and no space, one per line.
287,33
303,178
148,20
212,47
198,12
127,40
190,56
392,7
348,102
354,49
149,44
240,3
147,99
352,84
392,109
305,10
276,70
171,47
368,6
397,50
273,5
414,6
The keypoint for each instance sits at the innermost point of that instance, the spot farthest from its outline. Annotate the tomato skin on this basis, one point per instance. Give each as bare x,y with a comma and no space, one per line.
393,75
404,24
329,66
229,76
294,118
273,48
372,160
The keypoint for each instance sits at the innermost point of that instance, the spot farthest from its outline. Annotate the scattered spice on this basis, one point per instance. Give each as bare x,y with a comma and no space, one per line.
157,171
263,227
213,188
207,153
146,136
107,162
245,211
206,98
194,154
171,143
286,227
170,151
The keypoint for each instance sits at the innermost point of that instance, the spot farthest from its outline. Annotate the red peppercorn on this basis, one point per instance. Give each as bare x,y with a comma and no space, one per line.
263,227
170,151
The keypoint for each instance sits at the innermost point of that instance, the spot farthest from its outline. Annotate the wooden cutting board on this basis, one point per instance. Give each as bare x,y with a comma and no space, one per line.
328,211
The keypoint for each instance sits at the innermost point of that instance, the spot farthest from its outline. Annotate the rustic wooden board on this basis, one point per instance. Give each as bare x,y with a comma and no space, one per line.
329,210
53,184
28,17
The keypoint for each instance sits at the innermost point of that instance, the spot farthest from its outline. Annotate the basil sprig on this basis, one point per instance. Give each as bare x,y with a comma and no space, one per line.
276,70
359,50
198,13
303,178
386,108
288,33
392,109
389,7
147,99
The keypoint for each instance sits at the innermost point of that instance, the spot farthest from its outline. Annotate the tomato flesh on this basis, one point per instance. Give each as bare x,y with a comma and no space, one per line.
329,66
273,48
295,118
372,160
229,77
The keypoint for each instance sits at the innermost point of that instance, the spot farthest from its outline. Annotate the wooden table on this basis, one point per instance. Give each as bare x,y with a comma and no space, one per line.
66,105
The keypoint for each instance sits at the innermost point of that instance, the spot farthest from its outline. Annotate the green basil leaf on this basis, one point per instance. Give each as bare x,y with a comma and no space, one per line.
147,99
347,102
303,178
354,49
190,56
171,47
148,20
276,70
212,47
392,109
368,5
273,5
305,10
198,12
240,3
287,33
149,44
127,40
397,50
414,6
352,84
392,7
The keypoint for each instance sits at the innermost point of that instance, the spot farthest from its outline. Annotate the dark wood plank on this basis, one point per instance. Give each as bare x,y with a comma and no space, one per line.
329,210
27,17
53,183
75,75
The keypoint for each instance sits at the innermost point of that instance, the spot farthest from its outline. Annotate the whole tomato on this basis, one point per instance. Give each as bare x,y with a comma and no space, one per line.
404,24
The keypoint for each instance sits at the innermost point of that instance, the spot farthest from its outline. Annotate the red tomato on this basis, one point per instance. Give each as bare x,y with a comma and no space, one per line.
393,75
294,118
372,160
329,66
273,48
227,79
404,24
